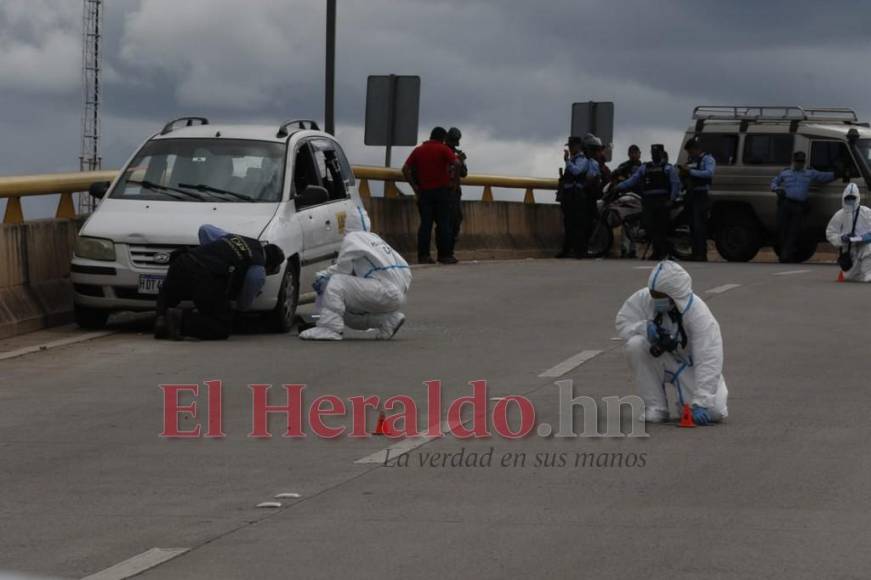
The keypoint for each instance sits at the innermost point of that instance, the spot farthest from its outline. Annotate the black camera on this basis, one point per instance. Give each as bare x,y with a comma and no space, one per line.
665,342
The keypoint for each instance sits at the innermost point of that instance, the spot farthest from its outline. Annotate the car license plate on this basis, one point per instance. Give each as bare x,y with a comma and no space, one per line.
150,283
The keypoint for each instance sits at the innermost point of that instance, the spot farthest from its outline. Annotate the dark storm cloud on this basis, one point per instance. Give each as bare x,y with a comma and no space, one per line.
507,68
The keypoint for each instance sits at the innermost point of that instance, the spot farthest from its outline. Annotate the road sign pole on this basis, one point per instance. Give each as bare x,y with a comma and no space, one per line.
391,119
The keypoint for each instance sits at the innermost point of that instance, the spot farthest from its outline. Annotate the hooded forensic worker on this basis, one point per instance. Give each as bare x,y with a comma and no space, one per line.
849,230
673,339
364,289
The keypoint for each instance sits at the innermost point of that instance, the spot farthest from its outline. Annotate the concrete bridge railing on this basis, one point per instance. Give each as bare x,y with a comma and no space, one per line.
35,290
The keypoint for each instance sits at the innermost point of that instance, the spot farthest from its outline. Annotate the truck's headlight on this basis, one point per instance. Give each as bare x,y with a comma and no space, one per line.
95,249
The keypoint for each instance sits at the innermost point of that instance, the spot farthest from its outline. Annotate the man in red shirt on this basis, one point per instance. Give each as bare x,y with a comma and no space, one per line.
432,171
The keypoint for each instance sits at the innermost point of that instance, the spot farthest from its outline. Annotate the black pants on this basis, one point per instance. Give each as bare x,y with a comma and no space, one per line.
698,206
186,279
579,215
435,206
656,219
790,226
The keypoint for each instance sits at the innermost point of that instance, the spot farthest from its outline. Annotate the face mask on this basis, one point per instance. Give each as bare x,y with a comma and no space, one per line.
661,305
850,204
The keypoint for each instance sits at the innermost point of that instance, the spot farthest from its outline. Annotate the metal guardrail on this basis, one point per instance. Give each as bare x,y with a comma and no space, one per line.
66,184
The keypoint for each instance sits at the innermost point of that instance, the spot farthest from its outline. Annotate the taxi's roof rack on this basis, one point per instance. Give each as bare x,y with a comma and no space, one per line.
188,122
300,125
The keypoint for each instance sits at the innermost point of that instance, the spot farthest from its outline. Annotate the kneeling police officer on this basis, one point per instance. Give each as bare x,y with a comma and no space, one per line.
224,268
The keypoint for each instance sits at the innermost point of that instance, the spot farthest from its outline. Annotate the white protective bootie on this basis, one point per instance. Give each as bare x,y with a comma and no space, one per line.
391,326
320,333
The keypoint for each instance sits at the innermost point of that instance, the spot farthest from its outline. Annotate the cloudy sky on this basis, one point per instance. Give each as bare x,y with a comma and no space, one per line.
505,71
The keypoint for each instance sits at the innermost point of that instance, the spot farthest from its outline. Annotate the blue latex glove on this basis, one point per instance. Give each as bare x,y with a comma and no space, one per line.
845,238
652,332
320,284
866,237
701,416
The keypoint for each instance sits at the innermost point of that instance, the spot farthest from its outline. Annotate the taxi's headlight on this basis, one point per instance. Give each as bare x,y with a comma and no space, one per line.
95,249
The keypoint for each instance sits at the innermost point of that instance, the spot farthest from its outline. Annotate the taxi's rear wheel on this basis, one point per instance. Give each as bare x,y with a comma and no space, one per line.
280,319
90,318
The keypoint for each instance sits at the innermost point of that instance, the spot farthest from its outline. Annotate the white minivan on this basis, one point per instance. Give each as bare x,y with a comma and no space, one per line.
289,185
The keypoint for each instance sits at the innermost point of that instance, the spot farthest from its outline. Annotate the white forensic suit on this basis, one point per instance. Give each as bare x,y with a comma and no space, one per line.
841,226
694,370
364,289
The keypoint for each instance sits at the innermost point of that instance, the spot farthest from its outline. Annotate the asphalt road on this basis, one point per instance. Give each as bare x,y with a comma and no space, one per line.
779,491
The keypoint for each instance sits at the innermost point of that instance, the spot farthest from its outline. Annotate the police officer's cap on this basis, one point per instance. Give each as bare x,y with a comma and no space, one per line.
799,156
657,147
590,140
693,143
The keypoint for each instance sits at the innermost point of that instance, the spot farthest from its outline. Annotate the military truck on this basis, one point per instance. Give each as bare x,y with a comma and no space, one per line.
752,144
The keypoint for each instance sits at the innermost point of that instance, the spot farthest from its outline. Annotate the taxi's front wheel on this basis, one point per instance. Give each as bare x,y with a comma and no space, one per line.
280,319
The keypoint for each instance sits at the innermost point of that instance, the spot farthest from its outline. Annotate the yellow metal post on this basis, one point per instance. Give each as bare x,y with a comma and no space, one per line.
390,189
14,214
365,193
65,208
529,197
488,194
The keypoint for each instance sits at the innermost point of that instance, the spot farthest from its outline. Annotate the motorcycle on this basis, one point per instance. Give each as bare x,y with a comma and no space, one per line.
624,209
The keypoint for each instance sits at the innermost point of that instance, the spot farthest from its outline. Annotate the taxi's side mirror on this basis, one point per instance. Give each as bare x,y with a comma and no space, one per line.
312,195
98,189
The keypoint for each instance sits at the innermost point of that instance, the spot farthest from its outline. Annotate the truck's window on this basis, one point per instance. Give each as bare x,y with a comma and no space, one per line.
209,170
304,171
831,155
723,146
329,169
768,149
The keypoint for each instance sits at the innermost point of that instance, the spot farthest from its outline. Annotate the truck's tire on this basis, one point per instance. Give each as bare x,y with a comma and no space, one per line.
280,320
806,249
90,318
738,236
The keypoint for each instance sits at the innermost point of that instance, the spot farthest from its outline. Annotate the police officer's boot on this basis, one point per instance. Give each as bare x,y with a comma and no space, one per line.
173,323
160,328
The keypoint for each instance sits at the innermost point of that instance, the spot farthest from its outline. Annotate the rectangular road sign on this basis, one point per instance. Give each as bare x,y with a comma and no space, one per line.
392,110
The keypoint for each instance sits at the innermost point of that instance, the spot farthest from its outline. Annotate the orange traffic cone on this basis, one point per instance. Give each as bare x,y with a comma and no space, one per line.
381,427
686,417
840,275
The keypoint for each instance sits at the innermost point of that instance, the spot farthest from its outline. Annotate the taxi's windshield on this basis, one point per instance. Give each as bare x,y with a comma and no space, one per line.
208,170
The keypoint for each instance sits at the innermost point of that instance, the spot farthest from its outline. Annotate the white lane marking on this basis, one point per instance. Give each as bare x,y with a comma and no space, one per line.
55,344
569,364
723,288
790,272
643,267
398,449
138,564
410,443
